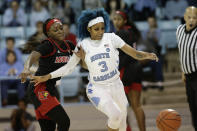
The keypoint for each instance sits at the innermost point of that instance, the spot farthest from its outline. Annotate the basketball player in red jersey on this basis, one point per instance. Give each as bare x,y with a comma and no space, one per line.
53,53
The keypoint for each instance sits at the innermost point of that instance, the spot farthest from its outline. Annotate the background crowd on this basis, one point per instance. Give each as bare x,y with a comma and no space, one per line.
21,31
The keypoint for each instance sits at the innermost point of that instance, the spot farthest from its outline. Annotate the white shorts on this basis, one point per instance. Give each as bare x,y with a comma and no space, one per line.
100,94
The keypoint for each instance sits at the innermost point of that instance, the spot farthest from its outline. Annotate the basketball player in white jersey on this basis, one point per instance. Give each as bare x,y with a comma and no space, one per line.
105,89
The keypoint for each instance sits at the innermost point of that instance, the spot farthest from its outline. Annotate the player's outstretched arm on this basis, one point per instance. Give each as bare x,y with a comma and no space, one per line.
32,59
81,54
63,71
139,55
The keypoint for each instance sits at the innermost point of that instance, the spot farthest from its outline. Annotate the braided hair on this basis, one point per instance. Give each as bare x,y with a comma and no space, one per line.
88,15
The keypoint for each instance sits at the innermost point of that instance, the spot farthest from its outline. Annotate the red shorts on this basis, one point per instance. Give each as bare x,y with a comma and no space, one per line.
134,86
47,101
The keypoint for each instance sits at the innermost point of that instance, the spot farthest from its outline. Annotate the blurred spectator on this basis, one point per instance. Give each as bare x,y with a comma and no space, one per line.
55,9
175,9
28,6
151,39
130,2
68,35
77,7
91,4
64,12
111,7
14,16
153,35
3,6
44,3
12,67
20,122
69,14
22,104
192,3
10,42
39,35
35,39
124,6
143,9
131,13
161,3
39,13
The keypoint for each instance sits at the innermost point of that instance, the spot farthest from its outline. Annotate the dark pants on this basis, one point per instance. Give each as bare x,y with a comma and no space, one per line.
12,84
191,91
157,69
57,115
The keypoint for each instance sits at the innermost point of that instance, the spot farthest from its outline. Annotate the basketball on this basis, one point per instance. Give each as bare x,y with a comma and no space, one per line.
168,120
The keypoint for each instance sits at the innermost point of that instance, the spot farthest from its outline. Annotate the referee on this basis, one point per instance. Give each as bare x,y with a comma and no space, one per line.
187,43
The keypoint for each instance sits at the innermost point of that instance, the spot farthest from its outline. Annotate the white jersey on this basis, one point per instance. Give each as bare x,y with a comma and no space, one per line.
101,59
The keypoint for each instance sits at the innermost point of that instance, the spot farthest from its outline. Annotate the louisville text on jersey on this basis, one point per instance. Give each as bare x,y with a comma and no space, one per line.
61,59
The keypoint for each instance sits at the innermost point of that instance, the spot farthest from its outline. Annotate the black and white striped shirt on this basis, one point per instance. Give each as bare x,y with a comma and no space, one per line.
187,44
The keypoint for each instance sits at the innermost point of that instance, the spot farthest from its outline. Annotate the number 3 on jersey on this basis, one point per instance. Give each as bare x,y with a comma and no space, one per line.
104,66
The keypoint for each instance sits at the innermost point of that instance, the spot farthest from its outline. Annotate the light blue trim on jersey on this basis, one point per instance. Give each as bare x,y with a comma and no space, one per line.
90,85
95,100
90,91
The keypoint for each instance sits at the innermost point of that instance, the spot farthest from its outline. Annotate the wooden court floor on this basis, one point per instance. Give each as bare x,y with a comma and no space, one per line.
84,117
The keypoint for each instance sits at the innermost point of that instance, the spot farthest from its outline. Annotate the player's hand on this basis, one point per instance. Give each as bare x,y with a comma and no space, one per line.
23,76
80,53
152,56
39,79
